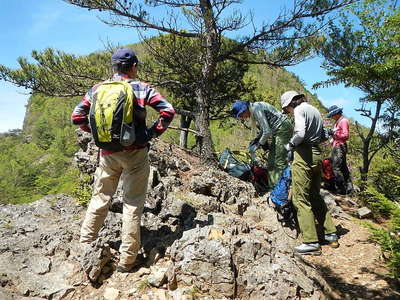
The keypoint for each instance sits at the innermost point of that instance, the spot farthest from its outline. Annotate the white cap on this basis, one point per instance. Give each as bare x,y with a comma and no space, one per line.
287,97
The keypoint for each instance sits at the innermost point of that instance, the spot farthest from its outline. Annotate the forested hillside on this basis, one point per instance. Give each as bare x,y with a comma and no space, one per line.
37,161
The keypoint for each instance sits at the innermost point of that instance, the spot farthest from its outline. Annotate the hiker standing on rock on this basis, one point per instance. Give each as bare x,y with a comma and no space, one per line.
305,154
126,157
271,123
340,135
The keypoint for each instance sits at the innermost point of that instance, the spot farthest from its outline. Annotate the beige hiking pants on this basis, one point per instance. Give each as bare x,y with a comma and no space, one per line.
134,168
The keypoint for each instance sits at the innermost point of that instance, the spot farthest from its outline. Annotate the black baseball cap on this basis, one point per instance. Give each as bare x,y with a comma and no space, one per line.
124,56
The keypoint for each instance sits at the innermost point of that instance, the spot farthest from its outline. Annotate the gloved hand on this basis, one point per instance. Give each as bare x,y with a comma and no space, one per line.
290,148
290,156
149,134
144,136
265,147
254,145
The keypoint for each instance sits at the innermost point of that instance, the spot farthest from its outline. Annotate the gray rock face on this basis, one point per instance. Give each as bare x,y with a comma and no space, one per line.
87,157
241,257
212,235
203,262
95,257
336,210
158,276
35,252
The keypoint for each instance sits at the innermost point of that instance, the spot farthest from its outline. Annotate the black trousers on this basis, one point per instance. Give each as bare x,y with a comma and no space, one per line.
340,169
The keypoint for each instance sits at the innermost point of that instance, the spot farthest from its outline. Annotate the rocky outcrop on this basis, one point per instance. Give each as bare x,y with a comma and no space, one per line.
204,235
38,243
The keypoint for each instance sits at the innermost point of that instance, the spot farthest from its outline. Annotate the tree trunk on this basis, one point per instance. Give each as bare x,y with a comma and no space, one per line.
367,142
365,166
204,142
185,123
211,45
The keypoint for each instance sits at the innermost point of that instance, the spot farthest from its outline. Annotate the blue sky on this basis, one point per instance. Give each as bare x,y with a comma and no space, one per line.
38,24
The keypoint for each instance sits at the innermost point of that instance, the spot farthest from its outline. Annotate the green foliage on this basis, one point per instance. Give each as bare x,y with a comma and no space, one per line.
381,196
176,64
380,205
38,161
390,242
82,189
355,51
386,178
20,165
382,190
57,73
358,52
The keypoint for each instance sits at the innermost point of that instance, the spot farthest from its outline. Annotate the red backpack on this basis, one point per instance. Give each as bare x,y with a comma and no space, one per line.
327,169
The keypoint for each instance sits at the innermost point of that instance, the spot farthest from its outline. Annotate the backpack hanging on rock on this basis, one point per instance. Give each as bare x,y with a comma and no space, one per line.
239,164
281,198
231,164
111,115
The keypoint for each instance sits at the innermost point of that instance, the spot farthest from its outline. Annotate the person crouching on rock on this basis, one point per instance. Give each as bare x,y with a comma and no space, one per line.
271,123
305,154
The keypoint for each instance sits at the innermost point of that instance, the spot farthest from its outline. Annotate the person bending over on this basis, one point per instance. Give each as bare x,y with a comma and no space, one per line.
271,123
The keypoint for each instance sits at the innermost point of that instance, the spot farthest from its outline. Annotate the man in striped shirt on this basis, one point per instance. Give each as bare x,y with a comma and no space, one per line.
131,163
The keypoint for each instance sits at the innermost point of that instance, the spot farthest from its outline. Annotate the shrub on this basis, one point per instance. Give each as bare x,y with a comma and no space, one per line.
390,242
82,190
380,205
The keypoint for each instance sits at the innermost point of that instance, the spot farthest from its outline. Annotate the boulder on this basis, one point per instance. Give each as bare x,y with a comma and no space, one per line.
363,212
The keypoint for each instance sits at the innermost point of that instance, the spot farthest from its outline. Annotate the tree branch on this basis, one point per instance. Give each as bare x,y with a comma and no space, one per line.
186,129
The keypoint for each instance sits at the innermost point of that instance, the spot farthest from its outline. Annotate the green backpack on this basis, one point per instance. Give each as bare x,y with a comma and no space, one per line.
111,115
234,162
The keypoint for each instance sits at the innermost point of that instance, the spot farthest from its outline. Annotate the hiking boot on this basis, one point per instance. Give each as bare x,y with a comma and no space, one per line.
332,240
125,269
308,249
129,268
349,188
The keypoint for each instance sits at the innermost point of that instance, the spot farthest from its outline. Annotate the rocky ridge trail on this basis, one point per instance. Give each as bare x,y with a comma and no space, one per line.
205,235
355,270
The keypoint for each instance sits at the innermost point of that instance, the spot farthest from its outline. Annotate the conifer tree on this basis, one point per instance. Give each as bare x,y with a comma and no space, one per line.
361,51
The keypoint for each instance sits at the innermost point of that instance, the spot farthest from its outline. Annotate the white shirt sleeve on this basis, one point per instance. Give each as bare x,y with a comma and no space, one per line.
299,127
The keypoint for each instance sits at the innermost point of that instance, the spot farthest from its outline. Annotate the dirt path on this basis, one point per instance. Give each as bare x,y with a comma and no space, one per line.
356,270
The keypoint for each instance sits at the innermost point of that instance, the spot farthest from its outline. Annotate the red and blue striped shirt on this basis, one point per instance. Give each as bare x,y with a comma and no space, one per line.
145,95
